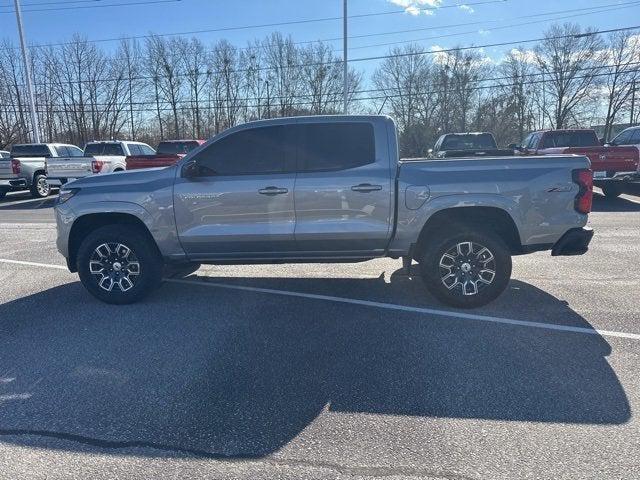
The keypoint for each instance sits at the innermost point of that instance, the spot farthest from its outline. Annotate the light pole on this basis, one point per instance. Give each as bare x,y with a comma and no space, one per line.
27,74
344,59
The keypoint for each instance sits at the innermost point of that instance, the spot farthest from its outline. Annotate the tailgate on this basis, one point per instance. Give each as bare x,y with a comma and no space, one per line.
6,171
136,162
609,159
72,167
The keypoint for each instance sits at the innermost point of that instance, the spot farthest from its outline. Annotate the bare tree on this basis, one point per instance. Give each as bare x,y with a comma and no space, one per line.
282,59
570,59
622,58
404,79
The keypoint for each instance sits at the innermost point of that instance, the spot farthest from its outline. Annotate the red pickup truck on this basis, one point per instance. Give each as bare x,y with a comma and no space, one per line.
612,166
167,153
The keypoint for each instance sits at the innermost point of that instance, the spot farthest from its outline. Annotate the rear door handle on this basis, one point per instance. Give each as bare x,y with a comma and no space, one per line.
366,187
273,191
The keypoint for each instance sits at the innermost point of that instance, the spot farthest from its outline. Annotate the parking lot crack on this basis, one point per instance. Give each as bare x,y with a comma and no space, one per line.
367,471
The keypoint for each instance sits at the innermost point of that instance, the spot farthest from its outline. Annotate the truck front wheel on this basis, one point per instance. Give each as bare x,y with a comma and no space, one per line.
465,268
117,265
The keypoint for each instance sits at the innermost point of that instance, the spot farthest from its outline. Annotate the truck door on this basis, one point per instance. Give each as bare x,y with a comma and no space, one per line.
344,191
234,198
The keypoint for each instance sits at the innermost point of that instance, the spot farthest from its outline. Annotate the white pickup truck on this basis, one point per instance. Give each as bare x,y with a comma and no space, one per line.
99,157
25,167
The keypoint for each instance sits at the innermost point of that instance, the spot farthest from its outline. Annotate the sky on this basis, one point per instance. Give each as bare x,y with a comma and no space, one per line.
444,23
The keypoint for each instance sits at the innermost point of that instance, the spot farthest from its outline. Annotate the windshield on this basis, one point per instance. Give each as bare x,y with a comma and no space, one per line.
103,149
468,142
31,150
171,148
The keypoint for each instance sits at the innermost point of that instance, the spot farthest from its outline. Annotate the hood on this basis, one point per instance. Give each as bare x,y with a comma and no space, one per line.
126,178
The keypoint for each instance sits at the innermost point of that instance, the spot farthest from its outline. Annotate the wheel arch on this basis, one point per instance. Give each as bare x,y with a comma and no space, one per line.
88,223
485,218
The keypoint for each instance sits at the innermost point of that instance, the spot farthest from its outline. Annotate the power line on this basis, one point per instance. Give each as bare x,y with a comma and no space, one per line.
266,25
504,27
374,90
357,59
338,94
127,4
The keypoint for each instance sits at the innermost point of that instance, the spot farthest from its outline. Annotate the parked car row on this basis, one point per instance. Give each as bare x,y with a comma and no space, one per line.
39,166
614,164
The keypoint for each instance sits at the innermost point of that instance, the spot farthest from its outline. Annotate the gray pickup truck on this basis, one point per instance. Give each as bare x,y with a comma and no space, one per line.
323,189
25,168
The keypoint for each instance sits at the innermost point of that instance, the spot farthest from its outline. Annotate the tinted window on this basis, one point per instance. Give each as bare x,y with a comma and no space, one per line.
254,151
172,148
571,139
103,149
74,151
624,138
635,136
34,150
334,146
468,142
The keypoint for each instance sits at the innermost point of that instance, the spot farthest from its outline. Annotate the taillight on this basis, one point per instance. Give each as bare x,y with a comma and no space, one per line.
15,166
96,166
584,178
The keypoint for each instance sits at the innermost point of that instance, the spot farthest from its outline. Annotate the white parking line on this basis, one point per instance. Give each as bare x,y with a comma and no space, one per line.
386,306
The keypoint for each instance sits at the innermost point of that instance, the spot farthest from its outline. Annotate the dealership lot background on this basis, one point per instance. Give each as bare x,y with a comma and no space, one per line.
321,371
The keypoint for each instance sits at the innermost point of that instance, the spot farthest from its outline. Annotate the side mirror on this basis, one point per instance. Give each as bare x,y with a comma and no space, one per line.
513,146
603,142
190,169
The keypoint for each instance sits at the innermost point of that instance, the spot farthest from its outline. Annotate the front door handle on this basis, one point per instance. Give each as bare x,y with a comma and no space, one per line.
366,187
273,191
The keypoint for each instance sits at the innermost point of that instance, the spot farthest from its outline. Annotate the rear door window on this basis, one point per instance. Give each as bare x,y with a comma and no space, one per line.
334,146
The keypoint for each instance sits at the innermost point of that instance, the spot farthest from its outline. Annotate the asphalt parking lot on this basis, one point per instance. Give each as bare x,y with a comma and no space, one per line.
321,371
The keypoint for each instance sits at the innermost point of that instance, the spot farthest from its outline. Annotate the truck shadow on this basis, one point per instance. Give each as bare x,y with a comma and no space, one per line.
226,373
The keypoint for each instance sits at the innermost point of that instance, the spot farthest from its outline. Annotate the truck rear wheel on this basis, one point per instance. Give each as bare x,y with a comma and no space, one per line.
611,191
466,268
40,187
117,265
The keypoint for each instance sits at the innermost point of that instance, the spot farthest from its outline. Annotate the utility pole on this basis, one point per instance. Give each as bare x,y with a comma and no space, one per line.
27,74
344,60
633,103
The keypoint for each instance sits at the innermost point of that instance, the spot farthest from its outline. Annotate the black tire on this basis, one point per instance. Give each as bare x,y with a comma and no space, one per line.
449,290
612,191
180,270
3,193
149,264
40,188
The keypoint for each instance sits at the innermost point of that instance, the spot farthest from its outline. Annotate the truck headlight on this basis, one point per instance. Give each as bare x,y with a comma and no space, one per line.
66,193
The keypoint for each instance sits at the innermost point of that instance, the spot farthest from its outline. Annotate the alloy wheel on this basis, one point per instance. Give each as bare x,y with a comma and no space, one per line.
467,268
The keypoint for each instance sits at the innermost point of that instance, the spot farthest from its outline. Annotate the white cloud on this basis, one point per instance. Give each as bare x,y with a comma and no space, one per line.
466,8
413,7
527,56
